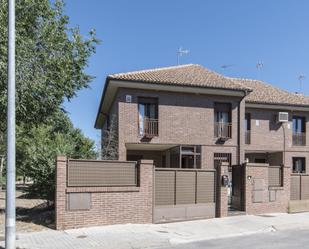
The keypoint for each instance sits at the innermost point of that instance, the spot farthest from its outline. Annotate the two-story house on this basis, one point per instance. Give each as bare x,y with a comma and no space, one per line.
187,117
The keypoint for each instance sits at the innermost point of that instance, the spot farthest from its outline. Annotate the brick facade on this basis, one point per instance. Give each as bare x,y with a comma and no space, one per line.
188,119
183,119
270,199
108,205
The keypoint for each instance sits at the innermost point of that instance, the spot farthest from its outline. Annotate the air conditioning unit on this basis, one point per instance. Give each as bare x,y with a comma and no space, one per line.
283,117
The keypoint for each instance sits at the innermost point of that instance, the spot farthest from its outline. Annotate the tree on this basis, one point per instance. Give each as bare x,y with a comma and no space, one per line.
38,147
50,60
110,141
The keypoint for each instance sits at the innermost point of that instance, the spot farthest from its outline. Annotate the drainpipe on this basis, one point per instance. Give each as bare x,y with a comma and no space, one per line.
239,124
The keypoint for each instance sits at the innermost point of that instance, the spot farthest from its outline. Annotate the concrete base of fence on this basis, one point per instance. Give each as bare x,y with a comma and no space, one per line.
84,206
184,212
299,206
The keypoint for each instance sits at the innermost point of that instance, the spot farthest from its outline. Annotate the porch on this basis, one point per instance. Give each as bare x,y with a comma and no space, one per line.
166,156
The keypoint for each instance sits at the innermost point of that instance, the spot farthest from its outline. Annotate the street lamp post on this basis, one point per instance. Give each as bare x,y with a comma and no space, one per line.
10,215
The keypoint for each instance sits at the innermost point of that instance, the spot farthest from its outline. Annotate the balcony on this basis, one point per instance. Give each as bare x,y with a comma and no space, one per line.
247,137
150,128
299,138
223,130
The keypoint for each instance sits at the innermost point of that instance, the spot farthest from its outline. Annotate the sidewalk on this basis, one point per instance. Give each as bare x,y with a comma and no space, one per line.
160,235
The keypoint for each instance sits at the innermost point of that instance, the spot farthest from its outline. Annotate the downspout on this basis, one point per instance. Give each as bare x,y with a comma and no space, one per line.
284,144
239,124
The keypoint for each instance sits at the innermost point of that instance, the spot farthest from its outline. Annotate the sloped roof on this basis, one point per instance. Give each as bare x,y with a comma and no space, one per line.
183,75
265,93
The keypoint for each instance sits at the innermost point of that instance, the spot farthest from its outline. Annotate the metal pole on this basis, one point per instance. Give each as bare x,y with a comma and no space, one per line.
10,170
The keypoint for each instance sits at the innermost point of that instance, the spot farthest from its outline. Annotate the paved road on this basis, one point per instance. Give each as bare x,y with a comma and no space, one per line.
288,239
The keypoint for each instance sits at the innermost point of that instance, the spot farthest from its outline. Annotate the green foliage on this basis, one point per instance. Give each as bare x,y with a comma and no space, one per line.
38,147
50,59
110,141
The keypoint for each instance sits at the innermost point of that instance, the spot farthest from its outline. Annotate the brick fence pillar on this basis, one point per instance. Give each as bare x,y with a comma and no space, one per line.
60,198
222,192
147,187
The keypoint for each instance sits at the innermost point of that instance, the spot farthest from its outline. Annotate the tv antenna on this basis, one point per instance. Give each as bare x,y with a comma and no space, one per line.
259,65
181,52
225,66
300,79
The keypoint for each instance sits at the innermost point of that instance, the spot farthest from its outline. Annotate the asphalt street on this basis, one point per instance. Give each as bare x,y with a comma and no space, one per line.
288,239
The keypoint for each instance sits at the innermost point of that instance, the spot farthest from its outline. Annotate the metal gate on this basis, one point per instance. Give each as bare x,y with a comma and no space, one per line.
182,194
238,187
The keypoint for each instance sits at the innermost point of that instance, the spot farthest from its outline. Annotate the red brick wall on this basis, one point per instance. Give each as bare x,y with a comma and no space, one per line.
183,119
260,171
222,192
109,205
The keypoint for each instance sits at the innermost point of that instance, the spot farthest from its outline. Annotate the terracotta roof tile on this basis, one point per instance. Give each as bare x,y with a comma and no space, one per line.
197,75
267,94
185,75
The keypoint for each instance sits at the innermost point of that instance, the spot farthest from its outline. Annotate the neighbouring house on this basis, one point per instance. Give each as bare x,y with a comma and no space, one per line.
206,146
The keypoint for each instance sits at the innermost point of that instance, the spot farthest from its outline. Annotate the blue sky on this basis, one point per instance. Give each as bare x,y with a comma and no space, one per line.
140,34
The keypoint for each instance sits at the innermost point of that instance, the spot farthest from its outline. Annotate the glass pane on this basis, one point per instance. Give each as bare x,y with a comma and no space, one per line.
224,117
187,150
187,161
152,111
294,125
299,125
198,161
141,116
299,165
174,158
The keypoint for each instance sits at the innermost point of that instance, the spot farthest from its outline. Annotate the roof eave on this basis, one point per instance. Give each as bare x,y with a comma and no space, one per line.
100,119
277,106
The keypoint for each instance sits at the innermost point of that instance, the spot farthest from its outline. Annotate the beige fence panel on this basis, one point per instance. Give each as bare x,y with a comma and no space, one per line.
275,176
295,187
165,187
101,173
304,187
205,187
299,187
185,187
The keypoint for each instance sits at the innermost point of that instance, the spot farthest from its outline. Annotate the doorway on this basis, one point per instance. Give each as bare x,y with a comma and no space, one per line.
237,205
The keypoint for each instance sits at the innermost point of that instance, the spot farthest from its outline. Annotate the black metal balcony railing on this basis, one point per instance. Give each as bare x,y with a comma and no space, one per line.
223,130
299,138
247,137
151,127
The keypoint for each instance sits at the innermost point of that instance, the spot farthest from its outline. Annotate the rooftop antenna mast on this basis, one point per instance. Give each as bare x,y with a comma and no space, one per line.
259,65
300,79
225,66
181,52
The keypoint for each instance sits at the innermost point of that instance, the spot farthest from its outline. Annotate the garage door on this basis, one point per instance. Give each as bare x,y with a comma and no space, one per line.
184,194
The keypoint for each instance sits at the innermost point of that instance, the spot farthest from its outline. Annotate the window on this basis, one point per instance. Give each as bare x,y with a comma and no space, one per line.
222,120
247,121
259,160
247,128
299,131
148,107
186,157
299,124
148,116
299,165
190,157
223,157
